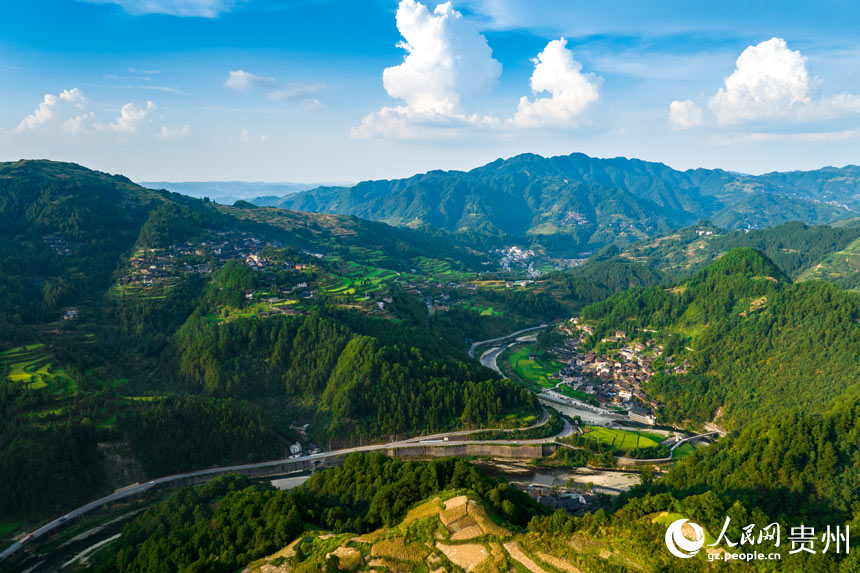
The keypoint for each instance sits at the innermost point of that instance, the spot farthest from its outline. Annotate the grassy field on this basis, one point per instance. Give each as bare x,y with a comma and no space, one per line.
535,370
518,419
566,390
683,450
622,439
9,527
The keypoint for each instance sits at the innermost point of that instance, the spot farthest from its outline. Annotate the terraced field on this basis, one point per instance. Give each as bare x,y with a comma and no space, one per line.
31,365
441,271
841,267
158,290
358,280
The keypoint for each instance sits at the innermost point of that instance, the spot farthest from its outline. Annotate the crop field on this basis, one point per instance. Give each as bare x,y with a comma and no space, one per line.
535,370
159,289
835,266
622,439
31,365
358,280
480,309
441,271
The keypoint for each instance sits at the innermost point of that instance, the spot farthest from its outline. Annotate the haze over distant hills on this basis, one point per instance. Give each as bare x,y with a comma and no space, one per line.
578,203
226,192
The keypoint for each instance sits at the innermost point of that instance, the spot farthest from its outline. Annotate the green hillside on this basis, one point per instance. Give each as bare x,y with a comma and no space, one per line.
841,267
757,344
131,318
379,514
795,247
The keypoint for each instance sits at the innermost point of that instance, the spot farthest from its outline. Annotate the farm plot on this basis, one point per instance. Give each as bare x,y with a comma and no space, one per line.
31,366
480,309
441,271
356,281
533,368
623,439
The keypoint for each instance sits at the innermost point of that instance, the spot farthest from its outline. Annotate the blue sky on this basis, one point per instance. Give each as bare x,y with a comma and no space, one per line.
317,90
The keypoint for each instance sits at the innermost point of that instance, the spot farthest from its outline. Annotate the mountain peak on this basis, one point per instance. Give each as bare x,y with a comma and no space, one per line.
743,261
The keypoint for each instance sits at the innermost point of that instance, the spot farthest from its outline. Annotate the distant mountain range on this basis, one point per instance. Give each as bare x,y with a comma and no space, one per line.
578,203
227,192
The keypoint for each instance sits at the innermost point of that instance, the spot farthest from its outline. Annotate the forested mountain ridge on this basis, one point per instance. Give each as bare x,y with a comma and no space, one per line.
801,251
757,344
575,203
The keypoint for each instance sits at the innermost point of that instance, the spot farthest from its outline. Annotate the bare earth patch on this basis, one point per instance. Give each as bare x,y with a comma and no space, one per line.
466,556
514,551
558,563
349,557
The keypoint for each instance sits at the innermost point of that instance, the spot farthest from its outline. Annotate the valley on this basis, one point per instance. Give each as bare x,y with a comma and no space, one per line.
264,342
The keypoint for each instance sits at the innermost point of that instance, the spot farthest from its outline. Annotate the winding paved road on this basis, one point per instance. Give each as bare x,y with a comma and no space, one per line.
501,338
436,440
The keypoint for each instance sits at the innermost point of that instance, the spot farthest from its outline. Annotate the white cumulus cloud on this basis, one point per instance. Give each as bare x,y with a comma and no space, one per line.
68,114
769,81
192,8
48,110
447,62
771,87
131,116
685,114
246,81
570,91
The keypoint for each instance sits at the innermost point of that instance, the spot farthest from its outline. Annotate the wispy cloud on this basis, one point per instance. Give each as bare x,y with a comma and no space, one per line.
183,8
803,137
295,91
173,134
243,81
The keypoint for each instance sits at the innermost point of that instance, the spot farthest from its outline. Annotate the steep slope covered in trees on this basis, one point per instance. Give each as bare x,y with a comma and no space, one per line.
757,344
